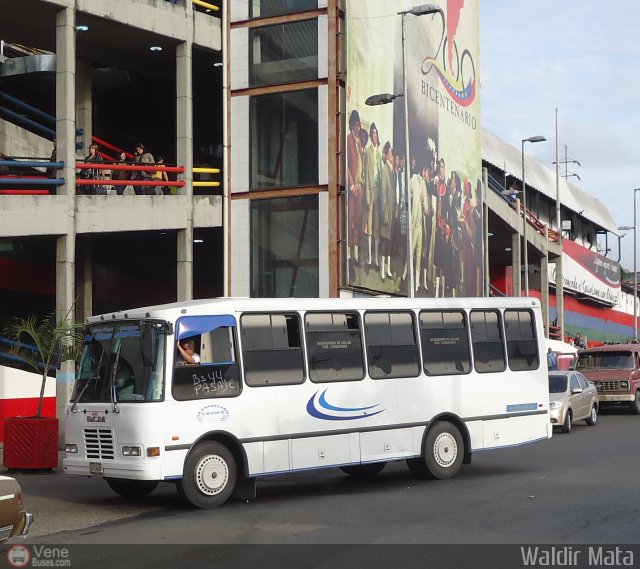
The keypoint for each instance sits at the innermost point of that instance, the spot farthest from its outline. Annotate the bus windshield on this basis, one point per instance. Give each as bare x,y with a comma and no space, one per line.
121,361
605,360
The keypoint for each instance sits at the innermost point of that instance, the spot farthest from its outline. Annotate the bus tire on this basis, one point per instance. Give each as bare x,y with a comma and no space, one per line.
568,422
635,404
364,470
443,451
210,475
132,488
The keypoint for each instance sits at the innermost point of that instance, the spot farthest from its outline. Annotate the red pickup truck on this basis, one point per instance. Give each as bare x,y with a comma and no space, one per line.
615,369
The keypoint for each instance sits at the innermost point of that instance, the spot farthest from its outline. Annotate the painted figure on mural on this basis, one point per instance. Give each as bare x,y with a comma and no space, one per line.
440,256
419,206
354,181
373,161
428,227
387,210
399,245
453,273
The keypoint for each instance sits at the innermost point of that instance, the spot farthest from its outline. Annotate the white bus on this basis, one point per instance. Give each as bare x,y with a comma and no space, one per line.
286,385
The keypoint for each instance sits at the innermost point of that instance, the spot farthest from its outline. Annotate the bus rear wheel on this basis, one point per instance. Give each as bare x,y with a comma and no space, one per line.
132,488
443,451
210,475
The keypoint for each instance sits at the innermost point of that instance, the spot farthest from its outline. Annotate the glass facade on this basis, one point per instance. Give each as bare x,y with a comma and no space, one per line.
284,140
283,53
264,8
284,247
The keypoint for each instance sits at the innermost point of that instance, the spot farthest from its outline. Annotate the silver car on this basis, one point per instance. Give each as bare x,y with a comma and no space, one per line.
572,397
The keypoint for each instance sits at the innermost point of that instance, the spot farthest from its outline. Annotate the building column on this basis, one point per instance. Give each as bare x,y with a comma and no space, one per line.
84,289
544,290
84,103
516,265
486,275
560,292
184,147
65,134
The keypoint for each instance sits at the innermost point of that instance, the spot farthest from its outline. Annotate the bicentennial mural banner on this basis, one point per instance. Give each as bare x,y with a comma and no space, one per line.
424,232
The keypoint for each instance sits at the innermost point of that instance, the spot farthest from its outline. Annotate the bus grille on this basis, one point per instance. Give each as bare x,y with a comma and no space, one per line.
99,443
608,386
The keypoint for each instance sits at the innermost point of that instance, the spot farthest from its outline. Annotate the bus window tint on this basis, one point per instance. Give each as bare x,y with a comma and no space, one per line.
392,350
445,343
271,349
486,339
522,348
334,346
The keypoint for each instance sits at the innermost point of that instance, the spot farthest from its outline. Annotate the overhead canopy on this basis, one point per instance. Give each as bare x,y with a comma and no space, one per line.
503,155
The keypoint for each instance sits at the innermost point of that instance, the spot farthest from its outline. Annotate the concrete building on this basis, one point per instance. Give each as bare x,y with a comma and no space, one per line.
142,71
257,89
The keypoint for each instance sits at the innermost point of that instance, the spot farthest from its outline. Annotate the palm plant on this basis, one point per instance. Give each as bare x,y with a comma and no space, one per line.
42,342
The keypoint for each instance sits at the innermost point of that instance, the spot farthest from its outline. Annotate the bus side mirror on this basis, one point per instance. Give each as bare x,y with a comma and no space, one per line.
148,346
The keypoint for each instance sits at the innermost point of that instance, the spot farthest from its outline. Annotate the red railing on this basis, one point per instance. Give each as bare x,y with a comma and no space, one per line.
132,168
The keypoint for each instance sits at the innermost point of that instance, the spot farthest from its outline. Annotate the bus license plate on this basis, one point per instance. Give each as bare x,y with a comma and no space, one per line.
96,468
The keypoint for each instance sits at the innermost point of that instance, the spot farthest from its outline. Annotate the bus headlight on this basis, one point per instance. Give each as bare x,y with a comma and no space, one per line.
131,450
624,384
71,448
555,404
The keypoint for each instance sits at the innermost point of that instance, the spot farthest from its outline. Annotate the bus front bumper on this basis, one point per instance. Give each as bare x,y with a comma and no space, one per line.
129,469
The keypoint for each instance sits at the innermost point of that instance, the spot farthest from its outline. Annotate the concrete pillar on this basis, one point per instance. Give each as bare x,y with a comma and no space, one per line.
84,103
560,292
65,134
84,289
544,291
486,276
184,146
516,265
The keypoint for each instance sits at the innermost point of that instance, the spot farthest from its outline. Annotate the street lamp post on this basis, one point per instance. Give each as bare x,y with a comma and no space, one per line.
381,99
635,270
524,215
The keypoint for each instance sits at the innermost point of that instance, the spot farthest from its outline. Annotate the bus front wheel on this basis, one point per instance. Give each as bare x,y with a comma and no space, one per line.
132,488
210,475
443,451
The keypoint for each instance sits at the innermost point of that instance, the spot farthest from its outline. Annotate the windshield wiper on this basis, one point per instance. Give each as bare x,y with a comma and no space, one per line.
112,381
95,376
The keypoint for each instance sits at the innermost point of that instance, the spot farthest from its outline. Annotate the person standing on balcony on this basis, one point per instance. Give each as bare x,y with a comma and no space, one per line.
143,158
92,173
121,174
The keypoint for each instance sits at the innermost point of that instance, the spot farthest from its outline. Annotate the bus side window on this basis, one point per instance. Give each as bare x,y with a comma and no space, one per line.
522,348
334,346
445,342
487,342
271,348
392,350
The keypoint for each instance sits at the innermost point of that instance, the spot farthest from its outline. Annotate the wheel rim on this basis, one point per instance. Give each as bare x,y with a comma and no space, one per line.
594,415
445,450
212,475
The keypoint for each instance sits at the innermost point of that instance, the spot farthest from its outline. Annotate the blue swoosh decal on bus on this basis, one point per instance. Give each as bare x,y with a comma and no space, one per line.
344,413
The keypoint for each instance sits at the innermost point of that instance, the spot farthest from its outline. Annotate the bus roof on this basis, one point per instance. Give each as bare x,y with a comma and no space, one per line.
230,305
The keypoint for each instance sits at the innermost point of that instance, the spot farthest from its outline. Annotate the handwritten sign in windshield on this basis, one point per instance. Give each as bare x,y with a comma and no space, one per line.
206,382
